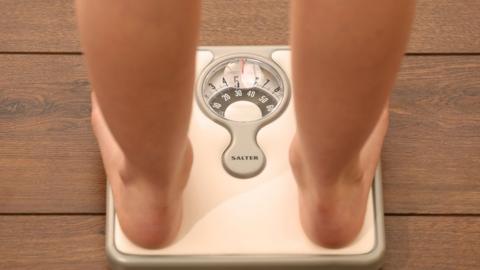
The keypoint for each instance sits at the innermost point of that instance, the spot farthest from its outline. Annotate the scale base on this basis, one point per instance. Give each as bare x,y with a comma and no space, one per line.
236,223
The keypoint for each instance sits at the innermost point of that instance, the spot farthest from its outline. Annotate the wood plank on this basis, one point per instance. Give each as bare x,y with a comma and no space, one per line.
77,242
431,156
49,26
36,25
443,26
48,155
50,163
432,242
52,242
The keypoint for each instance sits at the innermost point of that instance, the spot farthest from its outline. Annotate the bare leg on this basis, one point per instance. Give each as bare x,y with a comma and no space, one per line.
140,57
345,58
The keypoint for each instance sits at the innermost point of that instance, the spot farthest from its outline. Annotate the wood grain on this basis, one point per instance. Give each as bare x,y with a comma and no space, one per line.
415,242
36,25
444,26
48,155
52,242
441,26
77,242
431,156
50,162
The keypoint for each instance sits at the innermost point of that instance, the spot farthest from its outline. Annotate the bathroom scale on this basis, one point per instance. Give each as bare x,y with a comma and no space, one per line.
240,203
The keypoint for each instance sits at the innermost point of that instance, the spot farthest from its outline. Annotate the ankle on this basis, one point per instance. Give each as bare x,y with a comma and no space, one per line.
324,173
159,174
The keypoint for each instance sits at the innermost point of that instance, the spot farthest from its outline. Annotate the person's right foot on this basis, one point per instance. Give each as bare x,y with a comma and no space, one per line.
332,210
149,209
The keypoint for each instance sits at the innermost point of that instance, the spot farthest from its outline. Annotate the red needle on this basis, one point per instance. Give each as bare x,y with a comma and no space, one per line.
242,64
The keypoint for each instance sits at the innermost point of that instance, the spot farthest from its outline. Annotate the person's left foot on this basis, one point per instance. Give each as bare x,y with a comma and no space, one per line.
149,209
332,211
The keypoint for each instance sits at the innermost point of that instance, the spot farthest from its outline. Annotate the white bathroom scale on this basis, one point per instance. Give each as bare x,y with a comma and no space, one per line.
240,203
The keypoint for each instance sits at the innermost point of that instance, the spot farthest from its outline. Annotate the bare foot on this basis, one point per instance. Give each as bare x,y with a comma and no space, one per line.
332,210
149,209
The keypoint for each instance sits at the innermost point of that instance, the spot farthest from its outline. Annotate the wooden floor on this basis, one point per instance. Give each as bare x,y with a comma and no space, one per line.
52,187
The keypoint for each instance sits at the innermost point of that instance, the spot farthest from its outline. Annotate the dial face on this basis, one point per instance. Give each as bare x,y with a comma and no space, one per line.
243,89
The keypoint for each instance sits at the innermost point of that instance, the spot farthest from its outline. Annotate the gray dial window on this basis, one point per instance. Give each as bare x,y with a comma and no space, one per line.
243,93
232,84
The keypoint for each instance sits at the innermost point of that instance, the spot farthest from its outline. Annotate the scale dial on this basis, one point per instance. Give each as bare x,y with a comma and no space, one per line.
243,93
243,89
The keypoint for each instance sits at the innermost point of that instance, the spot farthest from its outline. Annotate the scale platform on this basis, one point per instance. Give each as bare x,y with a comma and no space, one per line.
240,203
